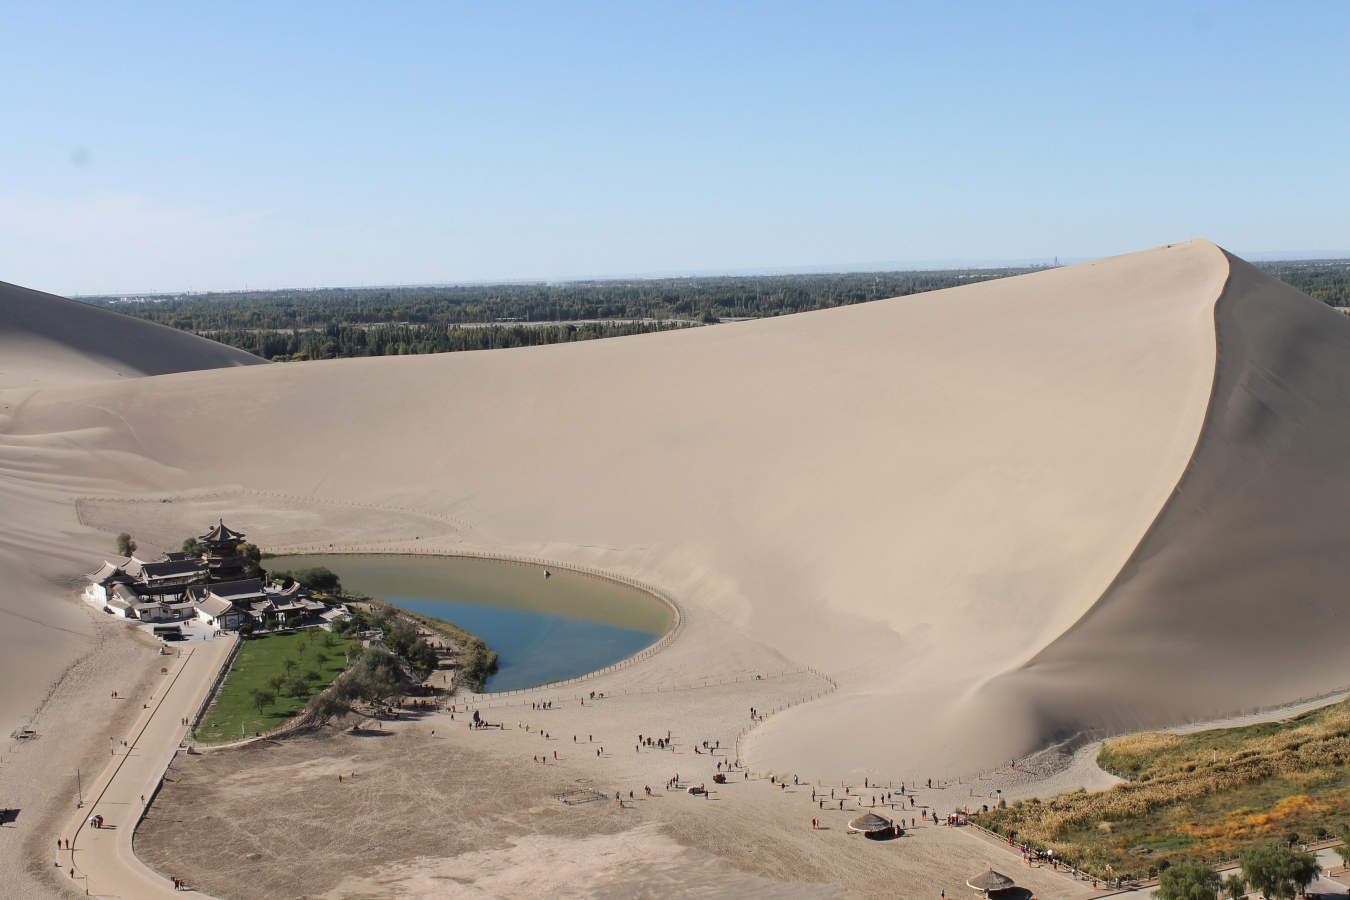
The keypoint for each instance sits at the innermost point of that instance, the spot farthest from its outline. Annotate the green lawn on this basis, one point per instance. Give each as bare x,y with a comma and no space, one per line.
260,661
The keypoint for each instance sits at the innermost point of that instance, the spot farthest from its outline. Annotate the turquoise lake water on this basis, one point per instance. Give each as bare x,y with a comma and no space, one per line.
543,629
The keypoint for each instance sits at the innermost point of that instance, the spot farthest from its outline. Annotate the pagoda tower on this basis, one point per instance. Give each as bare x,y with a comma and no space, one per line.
220,552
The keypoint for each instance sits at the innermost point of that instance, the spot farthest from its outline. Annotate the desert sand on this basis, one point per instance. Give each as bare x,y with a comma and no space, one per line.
989,517
414,821
46,340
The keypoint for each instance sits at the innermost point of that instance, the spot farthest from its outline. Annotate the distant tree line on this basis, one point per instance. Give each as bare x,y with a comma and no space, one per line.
339,341
655,298
1325,280
342,322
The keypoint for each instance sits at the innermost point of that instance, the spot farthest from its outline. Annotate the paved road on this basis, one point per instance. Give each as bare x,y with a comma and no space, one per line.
101,858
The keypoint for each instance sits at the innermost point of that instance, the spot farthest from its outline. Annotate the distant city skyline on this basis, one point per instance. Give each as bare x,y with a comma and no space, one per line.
155,148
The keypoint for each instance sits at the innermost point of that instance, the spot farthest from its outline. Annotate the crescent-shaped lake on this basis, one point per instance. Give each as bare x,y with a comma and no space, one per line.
543,629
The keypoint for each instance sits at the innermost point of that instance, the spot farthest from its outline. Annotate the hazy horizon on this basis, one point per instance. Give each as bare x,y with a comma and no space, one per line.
822,269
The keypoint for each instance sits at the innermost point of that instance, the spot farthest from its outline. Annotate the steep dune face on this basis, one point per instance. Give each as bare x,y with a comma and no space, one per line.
914,495
1233,599
45,340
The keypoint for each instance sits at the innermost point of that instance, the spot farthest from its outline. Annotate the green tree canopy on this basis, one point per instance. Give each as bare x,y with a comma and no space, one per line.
252,560
261,698
1188,879
296,686
374,677
1277,871
125,545
327,705
318,578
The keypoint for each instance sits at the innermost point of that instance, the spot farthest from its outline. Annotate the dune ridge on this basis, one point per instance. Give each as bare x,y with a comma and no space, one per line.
1228,602
46,339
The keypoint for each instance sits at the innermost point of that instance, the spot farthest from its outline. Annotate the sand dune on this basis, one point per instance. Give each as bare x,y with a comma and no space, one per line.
45,339
914,495
1232,598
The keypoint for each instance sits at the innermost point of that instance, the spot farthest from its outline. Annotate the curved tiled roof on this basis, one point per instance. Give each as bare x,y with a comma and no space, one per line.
221,532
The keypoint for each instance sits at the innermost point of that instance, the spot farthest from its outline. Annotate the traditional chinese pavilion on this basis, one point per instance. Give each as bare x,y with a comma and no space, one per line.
220,552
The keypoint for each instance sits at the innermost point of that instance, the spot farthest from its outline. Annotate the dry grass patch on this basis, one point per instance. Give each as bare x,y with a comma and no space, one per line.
1211,794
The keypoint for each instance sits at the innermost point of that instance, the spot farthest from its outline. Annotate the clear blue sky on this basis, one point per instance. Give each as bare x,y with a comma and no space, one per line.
175,146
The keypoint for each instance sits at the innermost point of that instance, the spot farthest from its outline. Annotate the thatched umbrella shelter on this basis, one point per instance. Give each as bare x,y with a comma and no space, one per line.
989,880
873,825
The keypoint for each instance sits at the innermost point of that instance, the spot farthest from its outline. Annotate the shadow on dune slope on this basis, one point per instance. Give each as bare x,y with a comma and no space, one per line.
94,339
1232,598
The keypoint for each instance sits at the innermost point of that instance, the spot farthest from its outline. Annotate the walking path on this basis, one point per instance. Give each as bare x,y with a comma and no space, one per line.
1323,886
101,859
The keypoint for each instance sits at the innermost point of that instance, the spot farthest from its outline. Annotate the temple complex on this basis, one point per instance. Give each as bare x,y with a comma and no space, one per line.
211,588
